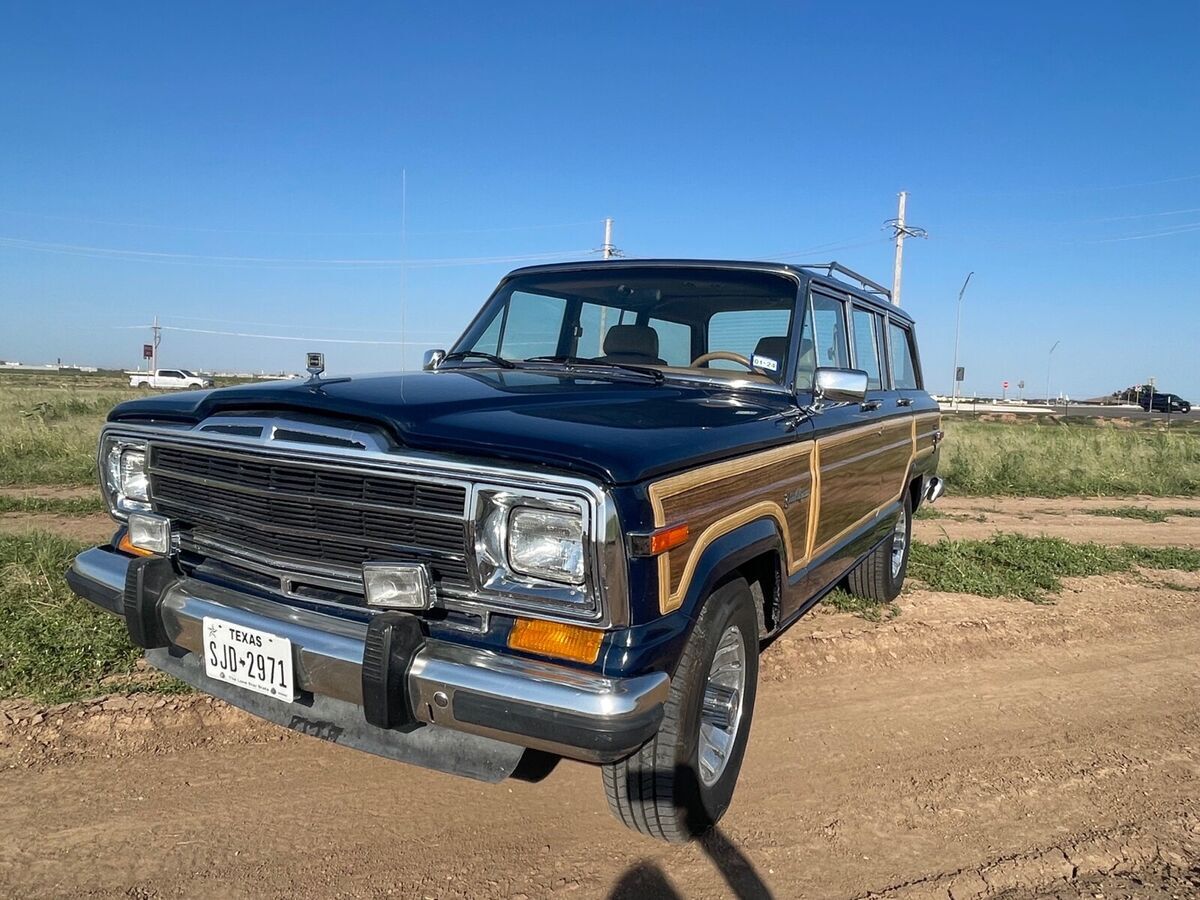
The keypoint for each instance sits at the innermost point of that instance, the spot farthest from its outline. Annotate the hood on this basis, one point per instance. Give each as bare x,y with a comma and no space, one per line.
621,430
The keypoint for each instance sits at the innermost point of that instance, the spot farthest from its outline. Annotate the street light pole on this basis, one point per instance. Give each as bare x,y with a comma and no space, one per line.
1049,362
957,327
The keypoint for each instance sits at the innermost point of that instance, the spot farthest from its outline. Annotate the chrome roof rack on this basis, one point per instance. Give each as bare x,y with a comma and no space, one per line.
865,283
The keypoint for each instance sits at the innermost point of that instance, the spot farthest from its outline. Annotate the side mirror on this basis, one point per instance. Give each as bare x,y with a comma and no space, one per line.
432,359
840,385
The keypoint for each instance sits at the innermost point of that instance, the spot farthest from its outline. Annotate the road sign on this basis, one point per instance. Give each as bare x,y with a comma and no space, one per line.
960,374
147,351
1006,385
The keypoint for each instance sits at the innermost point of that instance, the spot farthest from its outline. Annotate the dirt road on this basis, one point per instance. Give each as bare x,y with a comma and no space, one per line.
970,748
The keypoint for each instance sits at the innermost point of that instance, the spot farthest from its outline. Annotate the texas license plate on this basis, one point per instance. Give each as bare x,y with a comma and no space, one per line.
249,658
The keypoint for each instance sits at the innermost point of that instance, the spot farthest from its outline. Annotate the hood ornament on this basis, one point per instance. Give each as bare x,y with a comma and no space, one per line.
315,363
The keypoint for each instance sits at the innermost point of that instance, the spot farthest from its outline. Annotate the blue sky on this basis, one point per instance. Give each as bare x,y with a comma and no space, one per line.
1052,148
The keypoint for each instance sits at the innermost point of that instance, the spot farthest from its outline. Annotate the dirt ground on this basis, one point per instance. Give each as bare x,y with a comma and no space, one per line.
970,748
1071,518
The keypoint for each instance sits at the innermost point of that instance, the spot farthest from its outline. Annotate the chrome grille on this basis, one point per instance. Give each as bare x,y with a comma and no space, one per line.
295,512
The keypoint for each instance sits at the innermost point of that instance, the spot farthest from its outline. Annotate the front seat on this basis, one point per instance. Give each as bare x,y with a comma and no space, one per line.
773,348
632,344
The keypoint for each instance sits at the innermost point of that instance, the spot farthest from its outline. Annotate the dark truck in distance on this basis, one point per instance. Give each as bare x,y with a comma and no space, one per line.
566,537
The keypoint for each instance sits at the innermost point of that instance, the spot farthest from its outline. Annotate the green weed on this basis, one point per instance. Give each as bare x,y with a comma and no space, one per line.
1031,568
54,647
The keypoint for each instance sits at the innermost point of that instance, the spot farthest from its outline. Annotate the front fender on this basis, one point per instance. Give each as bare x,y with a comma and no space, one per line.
657,645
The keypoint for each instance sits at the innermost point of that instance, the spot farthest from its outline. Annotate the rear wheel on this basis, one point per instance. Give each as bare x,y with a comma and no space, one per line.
880,575
681,782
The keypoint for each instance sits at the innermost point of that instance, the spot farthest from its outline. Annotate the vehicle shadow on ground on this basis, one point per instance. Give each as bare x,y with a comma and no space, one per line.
645,880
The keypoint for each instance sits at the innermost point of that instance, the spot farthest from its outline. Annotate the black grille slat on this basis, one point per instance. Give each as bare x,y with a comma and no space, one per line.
293,512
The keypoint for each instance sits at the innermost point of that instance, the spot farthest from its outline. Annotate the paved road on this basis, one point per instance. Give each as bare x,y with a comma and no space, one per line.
1075,409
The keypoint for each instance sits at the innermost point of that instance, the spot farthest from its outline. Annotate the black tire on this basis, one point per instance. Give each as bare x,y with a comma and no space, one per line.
658,790
143,384
874,577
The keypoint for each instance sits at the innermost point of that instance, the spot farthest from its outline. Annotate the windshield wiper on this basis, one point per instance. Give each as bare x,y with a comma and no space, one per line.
479,354
578,363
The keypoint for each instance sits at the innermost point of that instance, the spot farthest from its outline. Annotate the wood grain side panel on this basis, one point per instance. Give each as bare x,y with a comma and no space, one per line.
716,499
850,479
895,457
926,426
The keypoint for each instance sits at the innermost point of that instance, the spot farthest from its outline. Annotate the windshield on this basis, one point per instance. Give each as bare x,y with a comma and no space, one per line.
684,321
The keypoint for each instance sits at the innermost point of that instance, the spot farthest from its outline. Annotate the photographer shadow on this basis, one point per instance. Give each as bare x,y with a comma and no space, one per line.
645,880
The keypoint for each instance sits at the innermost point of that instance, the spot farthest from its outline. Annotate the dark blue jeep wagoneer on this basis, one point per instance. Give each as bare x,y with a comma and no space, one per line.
566,537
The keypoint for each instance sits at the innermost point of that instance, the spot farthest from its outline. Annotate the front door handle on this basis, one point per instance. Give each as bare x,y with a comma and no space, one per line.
871,405
904,401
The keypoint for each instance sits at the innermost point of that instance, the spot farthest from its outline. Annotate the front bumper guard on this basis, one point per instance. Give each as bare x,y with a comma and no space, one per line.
469,711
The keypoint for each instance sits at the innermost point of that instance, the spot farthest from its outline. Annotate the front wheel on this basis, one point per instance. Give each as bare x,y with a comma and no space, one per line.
681,782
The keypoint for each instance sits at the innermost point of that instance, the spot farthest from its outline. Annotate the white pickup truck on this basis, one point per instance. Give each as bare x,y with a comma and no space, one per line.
169,378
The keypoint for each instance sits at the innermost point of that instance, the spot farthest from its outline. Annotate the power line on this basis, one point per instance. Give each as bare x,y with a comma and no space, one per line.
273,337
370,328
275,262
268,231
1181,229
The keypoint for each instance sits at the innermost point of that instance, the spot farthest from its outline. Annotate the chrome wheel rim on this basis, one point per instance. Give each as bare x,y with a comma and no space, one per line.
899,542
721,708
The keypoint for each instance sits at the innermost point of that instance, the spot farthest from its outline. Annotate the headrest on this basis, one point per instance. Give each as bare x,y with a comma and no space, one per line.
772,348
636,340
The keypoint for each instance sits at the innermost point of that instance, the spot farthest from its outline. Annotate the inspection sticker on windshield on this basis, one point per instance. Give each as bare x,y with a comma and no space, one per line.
764,362
248,658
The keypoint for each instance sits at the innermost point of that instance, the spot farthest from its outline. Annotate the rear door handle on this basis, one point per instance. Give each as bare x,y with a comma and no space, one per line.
904,401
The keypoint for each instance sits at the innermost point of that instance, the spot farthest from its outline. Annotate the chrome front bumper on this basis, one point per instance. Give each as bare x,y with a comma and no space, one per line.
498,698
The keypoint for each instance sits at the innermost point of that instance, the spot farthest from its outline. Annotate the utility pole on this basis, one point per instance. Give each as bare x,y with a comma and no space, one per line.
1049,361
957,327
900,231
157,330
609,250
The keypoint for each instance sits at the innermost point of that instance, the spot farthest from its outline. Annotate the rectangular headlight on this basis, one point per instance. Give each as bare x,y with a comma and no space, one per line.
544,543
150,532
123,474
534,552
397,585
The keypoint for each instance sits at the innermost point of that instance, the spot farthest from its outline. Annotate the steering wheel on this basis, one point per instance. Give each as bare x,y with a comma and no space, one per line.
723,354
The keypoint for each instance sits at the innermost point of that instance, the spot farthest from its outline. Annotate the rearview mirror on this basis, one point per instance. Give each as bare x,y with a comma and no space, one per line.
432,358
840,385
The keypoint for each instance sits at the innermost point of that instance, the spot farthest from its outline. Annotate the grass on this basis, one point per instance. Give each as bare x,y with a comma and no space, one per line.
1143,513
48,435
1031,568
54,647
844,601
65,506
1041,459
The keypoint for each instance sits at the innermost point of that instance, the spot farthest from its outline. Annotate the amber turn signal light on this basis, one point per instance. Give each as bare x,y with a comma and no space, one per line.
659,541
126,546
556,639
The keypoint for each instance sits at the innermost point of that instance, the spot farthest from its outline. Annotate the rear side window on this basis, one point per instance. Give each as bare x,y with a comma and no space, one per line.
904,359
866,346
